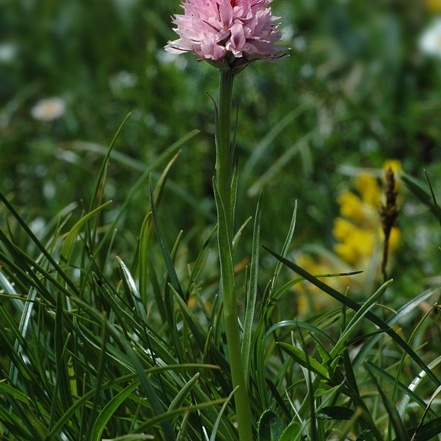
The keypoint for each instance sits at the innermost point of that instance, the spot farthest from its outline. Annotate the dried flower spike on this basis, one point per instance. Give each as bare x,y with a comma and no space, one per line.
389,214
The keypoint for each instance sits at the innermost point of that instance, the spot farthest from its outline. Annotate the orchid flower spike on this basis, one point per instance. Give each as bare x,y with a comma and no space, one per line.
235,32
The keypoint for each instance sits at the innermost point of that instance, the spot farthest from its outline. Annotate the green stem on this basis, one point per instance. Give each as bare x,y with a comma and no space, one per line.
225,210
224,157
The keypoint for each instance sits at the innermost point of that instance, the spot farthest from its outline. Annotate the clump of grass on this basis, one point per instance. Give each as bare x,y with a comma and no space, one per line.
96,346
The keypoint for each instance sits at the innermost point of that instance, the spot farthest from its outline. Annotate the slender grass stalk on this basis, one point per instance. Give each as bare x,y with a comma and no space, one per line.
225,209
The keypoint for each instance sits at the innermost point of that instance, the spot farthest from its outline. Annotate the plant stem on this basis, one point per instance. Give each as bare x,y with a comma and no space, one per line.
225,210
224,156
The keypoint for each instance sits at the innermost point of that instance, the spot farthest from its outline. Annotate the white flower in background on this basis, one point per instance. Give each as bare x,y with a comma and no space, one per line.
122,81
8,53
430,41
49,109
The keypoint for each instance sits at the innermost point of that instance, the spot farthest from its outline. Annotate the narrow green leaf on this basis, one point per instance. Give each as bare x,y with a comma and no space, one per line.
198,265
134,437
268,141
426,198
109,409
103,354
200,336
136,365
271,296
98,194
355,306
275,394
270,427
9,289
359,315
281,162
429,404
21,421
165,155
305,360
391,410
238,234
298,324
83,400
365,435
401,314
183,393
427,432
8,390
335,413
251,298
25,320
165,417
174,280
393,382
72,237
136,298
268,303
225,253
143,266
220,415
62,398
229,303
13,423
285,247
184,433
293,432
39,245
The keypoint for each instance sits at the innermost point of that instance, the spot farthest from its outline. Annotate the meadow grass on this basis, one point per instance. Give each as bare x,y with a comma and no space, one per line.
112,319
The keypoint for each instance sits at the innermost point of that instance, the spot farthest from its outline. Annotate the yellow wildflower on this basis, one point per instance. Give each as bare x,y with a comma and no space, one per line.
351,205
359,228
359,238
367,187
394,164
310,299
355,243
433,5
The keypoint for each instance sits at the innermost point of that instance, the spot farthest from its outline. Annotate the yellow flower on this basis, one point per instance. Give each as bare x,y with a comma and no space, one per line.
394,239
394,164
310,299
367,187
351,205
359,241
433,5
342,228
355,243
359,228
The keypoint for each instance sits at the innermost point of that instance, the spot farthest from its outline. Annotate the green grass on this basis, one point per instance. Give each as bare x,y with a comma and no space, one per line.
94,346
111,322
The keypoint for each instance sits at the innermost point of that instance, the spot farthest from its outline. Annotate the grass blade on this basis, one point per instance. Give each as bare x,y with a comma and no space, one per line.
73,235
251,293
174,280
355,306
109,409
359,315
394,416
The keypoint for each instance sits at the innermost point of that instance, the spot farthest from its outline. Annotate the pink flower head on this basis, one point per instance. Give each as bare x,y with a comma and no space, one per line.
226,29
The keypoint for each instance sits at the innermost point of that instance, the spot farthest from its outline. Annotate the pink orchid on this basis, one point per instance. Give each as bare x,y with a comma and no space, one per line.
226,29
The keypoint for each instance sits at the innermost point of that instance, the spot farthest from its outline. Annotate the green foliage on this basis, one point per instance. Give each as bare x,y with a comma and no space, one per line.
93,352
109,282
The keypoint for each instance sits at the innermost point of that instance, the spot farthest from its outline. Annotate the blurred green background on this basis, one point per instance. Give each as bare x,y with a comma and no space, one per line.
357,89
